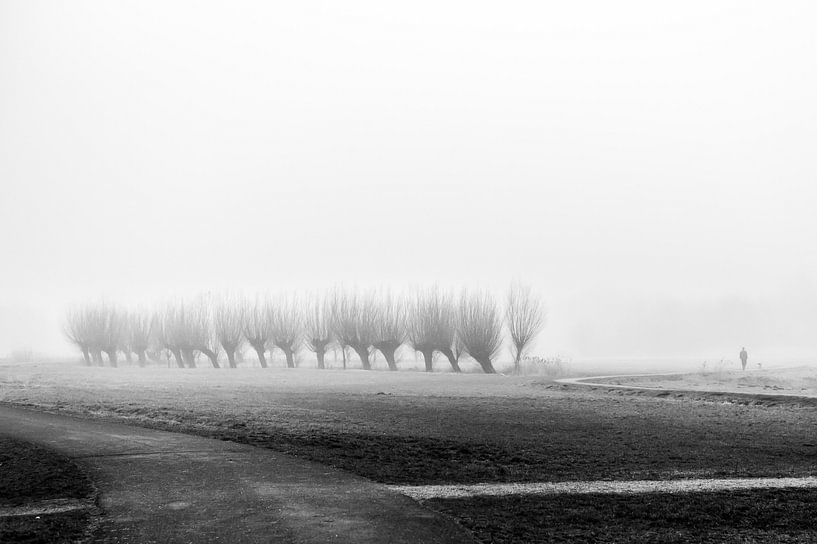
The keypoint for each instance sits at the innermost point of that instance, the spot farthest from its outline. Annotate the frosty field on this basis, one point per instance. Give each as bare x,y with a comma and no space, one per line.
414,428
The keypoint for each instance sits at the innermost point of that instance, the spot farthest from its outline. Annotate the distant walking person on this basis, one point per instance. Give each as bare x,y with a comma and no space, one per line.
744,358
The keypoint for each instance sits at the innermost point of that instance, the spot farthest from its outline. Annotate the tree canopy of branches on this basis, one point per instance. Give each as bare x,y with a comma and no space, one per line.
480,328
96,320
353,322
432,327
78,329
177,334
141,325
96,329
524,317
432,321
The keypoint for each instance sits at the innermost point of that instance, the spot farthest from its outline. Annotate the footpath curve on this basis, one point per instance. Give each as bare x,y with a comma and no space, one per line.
588,381
743,397
157,486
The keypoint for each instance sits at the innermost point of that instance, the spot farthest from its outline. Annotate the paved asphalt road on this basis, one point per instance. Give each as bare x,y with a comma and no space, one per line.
166,487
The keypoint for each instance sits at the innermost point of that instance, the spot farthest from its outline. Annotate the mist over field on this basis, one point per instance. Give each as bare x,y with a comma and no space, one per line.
650,173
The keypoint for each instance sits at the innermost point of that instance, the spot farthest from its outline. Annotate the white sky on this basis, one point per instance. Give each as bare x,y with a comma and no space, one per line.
650,168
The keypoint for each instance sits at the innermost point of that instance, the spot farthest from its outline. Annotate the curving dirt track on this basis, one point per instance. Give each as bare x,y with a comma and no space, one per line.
166,487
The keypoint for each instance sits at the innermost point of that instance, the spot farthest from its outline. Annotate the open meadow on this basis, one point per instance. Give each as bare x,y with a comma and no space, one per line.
414,428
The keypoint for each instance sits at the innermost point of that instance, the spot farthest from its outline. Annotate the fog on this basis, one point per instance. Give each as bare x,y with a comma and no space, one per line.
648,169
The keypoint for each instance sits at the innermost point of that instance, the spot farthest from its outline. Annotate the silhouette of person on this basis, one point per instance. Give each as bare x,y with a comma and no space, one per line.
744,358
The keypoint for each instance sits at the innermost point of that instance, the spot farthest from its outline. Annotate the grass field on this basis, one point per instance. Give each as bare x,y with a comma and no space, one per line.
414,428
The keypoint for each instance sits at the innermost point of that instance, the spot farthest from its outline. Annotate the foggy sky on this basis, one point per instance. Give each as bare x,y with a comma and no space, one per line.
650,169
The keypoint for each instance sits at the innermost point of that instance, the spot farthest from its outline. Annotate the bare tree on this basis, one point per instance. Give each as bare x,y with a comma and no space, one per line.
524,317
173,331
354,325
446,340
77,328
389,326
338,322
286,326
318,326
229,325
423,328
203,329
95,321
480,328
432,327
125,347
141,327
94,325
113,331
189,334
257,330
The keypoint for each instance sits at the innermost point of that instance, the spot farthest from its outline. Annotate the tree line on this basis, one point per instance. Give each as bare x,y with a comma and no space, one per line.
430,321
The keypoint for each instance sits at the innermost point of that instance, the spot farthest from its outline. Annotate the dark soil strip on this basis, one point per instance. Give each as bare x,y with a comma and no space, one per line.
744,516
422,461
52,528
30,473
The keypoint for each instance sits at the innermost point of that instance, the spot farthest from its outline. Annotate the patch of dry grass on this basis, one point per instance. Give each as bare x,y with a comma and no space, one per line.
768,516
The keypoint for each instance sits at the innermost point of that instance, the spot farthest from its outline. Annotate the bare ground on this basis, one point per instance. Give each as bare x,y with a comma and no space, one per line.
413,428
32,481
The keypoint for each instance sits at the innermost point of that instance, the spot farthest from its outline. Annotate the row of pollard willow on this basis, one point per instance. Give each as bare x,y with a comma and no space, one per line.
429,321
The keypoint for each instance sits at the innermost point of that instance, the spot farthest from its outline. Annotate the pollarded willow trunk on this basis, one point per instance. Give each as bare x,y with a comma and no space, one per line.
177,354
449,353
363,353
486,365
230,357
388,350
428,358
112,357
189,357
128,357
290,355
86,355
96,356
262,359
142,357
212,355
320,353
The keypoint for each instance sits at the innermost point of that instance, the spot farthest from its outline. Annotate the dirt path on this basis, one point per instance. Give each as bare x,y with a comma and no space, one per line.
166,487
713,392
423,492
594,381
